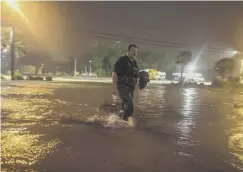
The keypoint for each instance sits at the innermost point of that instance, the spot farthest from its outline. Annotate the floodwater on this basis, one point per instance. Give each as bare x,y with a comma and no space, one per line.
47,127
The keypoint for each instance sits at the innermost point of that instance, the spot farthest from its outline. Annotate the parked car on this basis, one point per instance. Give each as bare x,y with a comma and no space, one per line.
160,77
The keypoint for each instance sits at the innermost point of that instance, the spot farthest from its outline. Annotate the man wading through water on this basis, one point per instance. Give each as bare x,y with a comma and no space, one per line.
124,81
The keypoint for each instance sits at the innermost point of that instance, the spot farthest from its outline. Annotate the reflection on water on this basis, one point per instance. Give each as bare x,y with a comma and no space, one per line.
20,114
236,134
25,148
149,107
188,113
32,115
184,109
30,119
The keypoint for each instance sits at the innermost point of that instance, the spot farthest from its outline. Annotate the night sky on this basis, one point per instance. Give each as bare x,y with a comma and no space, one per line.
72,28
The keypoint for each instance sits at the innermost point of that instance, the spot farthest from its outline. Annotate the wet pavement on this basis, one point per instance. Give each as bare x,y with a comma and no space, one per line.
45,128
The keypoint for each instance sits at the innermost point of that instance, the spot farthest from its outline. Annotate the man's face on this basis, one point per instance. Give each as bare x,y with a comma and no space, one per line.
133,52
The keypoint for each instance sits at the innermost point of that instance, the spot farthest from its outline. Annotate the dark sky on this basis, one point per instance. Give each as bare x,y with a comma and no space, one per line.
62,27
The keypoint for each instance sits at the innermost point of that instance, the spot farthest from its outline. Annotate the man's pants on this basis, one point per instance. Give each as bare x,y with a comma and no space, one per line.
127,101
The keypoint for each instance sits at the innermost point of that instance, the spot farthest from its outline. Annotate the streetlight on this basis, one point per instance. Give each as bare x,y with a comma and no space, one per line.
90,68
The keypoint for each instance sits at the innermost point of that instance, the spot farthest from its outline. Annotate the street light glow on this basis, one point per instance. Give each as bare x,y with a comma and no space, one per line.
192,68
13,4
234,52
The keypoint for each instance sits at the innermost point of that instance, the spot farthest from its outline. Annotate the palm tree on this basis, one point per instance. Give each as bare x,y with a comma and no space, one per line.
182,59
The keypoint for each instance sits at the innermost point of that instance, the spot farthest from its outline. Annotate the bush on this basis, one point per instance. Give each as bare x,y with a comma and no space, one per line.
18,76
39,78
201,85
234,79
49,78
218,82
30,78
2,77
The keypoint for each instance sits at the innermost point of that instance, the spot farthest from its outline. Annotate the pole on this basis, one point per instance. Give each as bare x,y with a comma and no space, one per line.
75,66
90,69
12,52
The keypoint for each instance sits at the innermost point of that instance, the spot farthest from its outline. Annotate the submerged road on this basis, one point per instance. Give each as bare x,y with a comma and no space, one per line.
45,128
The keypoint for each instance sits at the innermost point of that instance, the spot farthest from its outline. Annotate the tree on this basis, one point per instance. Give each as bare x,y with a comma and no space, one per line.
103,58
182,59
20,45
143,60
96,64
149,60
97,57
112,54
106,65
224,67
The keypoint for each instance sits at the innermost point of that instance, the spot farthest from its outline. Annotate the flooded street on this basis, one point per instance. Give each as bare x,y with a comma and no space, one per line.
45,128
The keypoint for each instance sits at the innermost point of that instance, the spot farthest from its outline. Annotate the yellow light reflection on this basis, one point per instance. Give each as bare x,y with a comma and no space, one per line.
19,145
25,149
188,113
236,139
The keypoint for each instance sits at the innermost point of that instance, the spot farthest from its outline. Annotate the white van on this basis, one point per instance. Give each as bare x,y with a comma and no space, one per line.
161,76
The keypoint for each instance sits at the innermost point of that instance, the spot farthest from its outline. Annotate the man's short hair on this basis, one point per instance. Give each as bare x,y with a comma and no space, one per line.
132,45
